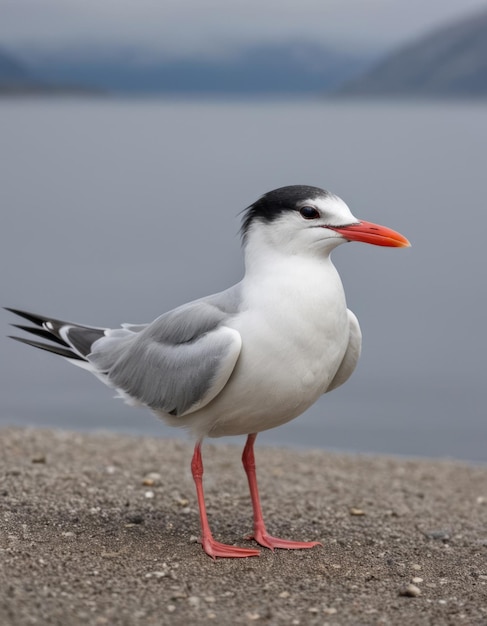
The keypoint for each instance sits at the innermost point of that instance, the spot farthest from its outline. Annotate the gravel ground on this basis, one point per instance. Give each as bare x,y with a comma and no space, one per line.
101,529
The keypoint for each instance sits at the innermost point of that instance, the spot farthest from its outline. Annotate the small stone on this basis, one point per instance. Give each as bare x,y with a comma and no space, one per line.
209,599
410,591
149,494
252,616
416,567
193,539
312,609
151,479
439,534
284,594
178,595
39,459
68,534
417,580
330,611
481,500
194,601
110,469
171,608
357,512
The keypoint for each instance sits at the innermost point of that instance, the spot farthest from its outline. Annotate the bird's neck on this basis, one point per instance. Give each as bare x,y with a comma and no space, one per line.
263,256
288,278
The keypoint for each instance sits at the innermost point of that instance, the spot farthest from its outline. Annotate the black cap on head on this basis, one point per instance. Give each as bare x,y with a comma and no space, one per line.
272,204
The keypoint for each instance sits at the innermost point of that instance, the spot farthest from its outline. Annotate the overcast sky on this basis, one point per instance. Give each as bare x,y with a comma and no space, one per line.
186,26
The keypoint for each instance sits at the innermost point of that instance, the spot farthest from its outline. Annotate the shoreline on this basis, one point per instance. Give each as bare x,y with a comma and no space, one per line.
102,528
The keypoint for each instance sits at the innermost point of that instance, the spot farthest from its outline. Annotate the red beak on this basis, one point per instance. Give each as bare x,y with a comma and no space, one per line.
372,233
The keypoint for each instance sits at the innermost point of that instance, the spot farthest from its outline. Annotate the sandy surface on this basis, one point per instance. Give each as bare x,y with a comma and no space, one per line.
84,541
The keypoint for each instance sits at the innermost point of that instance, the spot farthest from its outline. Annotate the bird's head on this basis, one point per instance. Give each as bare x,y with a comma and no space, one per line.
300,218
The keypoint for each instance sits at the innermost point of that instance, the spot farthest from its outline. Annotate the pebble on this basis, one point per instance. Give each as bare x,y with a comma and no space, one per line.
330,611
158,574
39,459
179,499
171,608
253,616
194,601
355,511
149,494
410,591
284,594
439,534
178,595
151,479
417,580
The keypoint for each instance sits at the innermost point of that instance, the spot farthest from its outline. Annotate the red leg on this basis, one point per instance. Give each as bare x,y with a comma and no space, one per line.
260,533
210,546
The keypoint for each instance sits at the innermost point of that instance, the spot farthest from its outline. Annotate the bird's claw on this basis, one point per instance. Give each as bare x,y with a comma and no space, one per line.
268,541
215,548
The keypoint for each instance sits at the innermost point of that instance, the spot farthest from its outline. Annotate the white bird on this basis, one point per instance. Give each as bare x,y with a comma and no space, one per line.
249,358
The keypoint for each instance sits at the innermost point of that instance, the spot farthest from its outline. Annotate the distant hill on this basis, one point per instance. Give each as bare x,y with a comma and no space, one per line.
283,68
13,74
451,62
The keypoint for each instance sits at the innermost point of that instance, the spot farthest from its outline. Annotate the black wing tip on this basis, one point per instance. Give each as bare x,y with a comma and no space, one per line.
64,352
31,317
41,332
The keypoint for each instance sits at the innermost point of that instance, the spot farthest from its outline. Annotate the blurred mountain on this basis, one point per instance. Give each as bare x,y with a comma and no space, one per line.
13,74
284,68
20,78
450,62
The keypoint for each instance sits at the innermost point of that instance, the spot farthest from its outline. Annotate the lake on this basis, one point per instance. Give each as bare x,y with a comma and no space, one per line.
118,210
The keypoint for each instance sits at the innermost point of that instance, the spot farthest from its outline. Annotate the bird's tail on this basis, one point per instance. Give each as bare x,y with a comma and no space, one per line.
71,341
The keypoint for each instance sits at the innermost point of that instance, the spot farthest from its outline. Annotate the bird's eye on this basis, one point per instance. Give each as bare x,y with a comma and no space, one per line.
309,212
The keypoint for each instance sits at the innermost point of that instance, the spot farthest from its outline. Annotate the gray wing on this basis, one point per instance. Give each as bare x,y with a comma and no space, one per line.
179,362
352,354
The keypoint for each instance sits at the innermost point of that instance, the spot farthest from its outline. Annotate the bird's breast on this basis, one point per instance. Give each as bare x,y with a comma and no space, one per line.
293,341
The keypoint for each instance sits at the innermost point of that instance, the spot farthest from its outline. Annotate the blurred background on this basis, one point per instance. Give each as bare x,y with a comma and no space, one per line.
132,133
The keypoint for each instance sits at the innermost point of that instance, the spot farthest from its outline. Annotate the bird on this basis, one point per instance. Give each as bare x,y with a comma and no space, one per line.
246,359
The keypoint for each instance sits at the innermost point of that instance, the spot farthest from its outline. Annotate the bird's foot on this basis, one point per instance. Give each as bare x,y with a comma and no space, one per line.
215,548
268,541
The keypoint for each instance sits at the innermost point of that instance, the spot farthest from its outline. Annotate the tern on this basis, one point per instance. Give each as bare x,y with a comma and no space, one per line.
249,358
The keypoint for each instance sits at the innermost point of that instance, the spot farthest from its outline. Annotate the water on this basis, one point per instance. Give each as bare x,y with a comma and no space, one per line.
117,211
